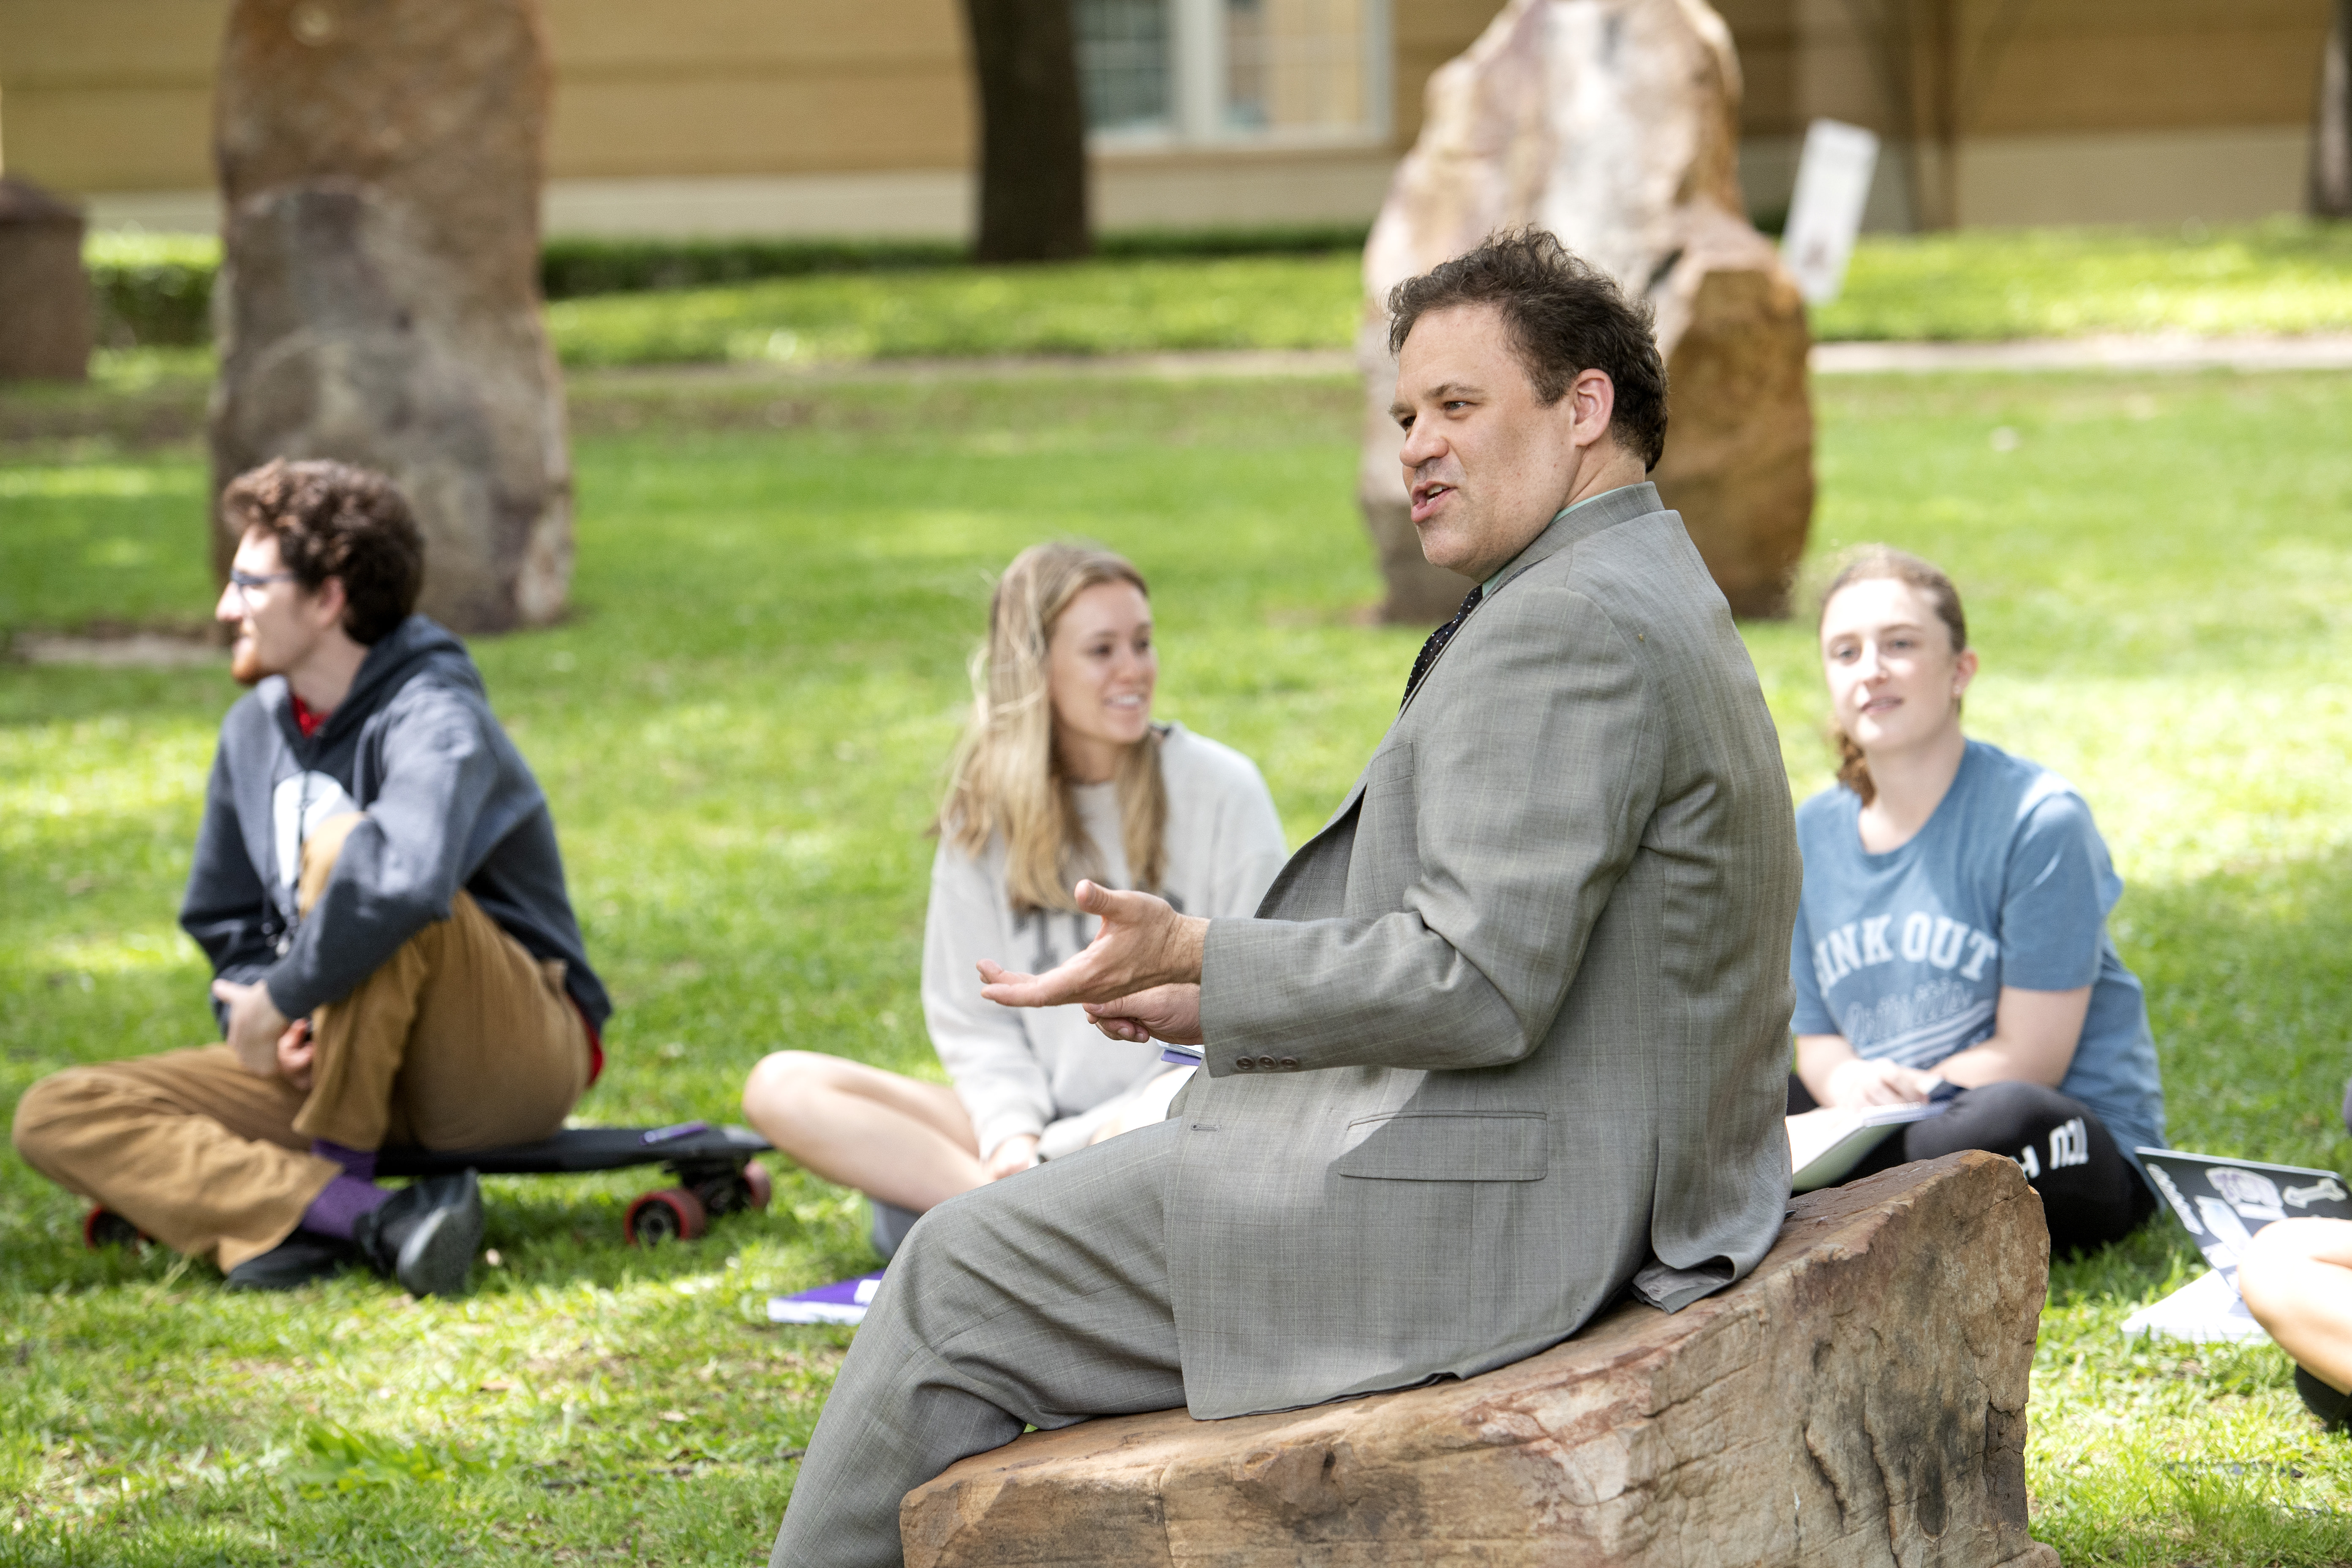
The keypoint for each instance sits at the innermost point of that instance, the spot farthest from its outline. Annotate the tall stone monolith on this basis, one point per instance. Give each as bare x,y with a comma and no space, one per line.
1615,125
43,291
378,300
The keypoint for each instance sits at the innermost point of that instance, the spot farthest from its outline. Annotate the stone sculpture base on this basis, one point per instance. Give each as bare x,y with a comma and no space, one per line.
1614,124
1859,1399
45,326
378,300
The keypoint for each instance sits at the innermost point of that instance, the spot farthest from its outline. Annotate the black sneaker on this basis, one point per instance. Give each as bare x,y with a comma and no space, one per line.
293,1263
425,1235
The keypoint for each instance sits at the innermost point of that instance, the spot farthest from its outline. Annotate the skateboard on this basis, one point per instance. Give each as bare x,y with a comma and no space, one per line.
714,1169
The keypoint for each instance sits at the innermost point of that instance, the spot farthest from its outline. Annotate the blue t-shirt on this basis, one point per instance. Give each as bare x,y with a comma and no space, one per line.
2009,883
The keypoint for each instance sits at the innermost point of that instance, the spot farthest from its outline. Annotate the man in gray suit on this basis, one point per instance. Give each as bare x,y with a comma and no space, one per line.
1507,1037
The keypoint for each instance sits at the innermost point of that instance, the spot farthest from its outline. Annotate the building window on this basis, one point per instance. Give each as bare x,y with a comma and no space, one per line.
1164,72
1123,63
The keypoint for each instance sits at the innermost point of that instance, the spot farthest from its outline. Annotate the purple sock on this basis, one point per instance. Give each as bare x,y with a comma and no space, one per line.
348,1195
360,1162
336,1210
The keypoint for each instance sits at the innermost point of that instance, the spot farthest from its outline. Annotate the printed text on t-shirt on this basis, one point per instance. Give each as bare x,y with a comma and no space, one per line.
1938,940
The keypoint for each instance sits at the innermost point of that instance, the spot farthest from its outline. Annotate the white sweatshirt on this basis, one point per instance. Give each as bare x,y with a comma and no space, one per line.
1020,1070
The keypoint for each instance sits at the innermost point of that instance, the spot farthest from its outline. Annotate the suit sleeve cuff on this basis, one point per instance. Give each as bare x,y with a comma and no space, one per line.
1242,1000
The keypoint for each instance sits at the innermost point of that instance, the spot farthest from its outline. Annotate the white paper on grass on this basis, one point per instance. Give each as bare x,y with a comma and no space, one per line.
2205,1310
1825,214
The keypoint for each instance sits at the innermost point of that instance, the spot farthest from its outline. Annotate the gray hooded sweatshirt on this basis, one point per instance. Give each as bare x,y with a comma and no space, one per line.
450,803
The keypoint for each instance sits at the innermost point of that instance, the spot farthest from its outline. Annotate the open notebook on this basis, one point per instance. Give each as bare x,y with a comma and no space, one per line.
1825,1145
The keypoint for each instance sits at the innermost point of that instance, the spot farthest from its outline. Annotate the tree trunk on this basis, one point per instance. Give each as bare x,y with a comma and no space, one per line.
1033,130
1942,29
2331,139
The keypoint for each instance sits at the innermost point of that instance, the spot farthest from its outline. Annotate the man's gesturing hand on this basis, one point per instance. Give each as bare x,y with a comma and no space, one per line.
1167,1013
1143,942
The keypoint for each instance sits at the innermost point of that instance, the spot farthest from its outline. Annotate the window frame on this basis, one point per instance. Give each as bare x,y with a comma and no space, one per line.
1198,67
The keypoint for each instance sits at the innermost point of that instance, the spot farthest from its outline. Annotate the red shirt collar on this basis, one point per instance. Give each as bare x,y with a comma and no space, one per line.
308,720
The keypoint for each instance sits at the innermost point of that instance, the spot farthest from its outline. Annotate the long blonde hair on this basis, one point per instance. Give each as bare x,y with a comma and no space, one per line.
1008,779
1884,562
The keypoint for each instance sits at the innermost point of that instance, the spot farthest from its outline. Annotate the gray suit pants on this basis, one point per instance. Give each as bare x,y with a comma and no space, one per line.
1039,1300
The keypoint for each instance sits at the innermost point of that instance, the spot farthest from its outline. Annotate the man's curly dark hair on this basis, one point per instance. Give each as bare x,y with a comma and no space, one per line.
1564,316
336,520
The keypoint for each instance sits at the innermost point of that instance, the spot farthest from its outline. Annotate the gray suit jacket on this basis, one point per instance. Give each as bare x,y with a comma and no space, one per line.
1515,1025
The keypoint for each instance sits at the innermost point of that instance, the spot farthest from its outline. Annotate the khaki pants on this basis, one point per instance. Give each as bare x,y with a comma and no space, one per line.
461,1040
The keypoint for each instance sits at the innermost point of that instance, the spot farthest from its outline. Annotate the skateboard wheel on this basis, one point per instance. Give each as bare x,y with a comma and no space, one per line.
102,1228
733,1191
672,1213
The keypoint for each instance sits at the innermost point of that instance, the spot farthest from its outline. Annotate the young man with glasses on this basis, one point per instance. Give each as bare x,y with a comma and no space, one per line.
377,884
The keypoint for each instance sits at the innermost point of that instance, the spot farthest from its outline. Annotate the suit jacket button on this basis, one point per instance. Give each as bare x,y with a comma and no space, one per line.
1265,1061
1242,1064
1290,1063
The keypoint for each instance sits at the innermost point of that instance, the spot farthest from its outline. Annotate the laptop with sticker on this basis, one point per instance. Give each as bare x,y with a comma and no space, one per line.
2222,1202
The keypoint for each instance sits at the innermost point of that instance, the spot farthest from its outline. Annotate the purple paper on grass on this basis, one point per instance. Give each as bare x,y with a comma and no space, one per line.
843,1302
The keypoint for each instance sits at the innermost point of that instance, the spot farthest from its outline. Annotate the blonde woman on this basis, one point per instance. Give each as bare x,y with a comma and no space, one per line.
1061,775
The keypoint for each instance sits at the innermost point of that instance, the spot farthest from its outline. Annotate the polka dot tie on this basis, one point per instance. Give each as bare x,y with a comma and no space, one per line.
1437,641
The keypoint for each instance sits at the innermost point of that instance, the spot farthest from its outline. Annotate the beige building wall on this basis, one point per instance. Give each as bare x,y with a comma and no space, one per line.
713,117
2065,110
786,116
99,95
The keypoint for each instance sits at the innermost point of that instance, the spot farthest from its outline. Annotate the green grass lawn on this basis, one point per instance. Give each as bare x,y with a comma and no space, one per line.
2286,275
1072,308
743,728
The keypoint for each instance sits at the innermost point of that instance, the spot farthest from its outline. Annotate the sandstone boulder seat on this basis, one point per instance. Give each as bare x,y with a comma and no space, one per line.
1860,1399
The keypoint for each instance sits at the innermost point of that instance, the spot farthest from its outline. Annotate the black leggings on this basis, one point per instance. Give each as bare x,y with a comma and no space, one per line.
2091,1194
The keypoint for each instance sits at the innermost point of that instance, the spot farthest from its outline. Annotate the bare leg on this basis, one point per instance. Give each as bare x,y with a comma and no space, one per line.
896,1139
2297,1277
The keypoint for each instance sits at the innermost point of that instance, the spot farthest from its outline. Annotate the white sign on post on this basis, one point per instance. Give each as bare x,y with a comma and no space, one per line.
1825,214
